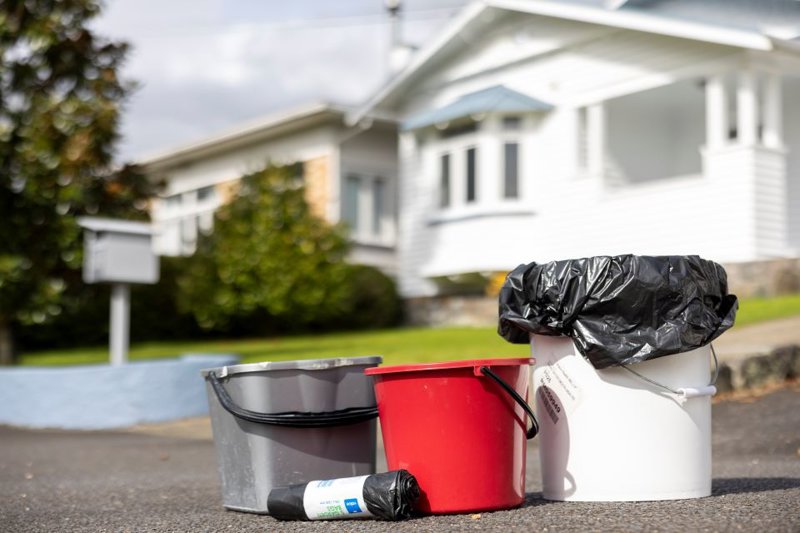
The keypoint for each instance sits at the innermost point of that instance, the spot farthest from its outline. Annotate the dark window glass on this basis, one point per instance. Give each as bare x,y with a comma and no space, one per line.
444,181
471,178
511,170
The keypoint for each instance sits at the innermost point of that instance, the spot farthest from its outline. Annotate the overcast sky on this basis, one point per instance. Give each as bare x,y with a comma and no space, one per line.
206,65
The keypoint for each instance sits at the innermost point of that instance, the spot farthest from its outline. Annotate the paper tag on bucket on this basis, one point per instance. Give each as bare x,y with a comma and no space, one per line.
335,498
558,393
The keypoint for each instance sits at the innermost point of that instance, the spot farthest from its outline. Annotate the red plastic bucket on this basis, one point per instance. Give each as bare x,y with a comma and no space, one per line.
459,427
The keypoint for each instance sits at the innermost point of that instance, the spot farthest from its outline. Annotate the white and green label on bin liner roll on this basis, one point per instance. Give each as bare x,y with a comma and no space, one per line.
385,496
335,498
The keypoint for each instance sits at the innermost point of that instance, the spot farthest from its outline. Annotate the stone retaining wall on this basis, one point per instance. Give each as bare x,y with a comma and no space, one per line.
761,278
764,278
779,365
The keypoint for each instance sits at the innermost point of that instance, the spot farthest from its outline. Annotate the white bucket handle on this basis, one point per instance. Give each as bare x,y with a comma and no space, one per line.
686,392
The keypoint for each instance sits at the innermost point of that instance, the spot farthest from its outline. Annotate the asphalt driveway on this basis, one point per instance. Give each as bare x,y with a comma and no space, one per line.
166,481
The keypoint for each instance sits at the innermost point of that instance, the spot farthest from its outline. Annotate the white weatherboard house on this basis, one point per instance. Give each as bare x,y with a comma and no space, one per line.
349,173
543,130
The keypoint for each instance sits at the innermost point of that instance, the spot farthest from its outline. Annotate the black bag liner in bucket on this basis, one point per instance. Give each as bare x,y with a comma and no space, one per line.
622,309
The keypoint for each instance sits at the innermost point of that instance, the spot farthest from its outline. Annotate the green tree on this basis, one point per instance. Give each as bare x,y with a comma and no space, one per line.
269,259
60,98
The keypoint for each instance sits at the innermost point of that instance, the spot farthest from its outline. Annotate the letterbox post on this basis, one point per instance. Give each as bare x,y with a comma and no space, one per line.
119,252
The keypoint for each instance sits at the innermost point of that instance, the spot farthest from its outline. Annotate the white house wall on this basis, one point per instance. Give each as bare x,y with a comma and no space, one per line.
516,38
596,63
414,241
791,124
234,164
616,64
178,223
373,153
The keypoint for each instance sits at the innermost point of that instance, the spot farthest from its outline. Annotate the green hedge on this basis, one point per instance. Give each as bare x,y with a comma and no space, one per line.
155,315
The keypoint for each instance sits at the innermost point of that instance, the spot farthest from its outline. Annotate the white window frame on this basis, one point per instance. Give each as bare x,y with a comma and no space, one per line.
489,143
456,147
507,136
190,214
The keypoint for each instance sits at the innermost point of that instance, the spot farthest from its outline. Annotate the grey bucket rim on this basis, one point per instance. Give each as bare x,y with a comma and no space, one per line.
300,364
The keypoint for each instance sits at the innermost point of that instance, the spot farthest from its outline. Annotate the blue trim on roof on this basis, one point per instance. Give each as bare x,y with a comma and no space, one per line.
493,99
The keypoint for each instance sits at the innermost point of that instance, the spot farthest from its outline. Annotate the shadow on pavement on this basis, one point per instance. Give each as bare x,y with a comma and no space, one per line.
535,499
740,485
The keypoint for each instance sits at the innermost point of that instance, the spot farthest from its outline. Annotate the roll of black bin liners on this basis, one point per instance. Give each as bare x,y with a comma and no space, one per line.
387,496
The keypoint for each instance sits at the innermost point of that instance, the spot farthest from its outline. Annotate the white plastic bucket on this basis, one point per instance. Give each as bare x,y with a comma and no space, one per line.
610,435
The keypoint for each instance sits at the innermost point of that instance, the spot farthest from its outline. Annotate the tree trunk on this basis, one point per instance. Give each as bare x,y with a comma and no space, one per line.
7,355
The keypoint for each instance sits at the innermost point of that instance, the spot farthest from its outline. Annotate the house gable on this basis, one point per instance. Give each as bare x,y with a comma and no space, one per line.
476,25
557,61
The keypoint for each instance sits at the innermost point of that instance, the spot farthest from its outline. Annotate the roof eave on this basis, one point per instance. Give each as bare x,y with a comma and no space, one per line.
792,46
114,225
639,22
243,135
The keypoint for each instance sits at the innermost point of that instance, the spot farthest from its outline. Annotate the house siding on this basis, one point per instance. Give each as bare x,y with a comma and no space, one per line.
236,163
791,121
372,155
769,169
588,63
414,241
612,62
178,225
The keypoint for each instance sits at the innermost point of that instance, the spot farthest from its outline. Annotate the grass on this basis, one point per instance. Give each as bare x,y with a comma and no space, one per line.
397,346
754,310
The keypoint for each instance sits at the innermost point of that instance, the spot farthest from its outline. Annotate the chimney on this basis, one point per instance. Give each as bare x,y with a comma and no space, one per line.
399,53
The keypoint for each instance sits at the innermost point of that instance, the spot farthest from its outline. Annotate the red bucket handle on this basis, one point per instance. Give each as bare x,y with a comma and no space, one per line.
517,398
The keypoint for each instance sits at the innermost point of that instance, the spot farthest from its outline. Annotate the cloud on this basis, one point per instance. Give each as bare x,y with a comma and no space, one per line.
202,67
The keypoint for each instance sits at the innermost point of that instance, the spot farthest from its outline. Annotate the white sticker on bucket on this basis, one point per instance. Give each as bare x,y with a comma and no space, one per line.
335,498
558,393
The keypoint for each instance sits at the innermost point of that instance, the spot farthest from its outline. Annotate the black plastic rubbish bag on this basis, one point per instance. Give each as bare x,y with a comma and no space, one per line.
387,496
619,310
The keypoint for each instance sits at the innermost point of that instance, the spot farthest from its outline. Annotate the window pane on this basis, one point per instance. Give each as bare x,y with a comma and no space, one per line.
511,170
378,203
471,190
444,181
512,123
205,193
350,201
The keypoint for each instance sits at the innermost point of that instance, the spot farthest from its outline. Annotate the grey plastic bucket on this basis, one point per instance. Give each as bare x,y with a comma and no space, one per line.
279,423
